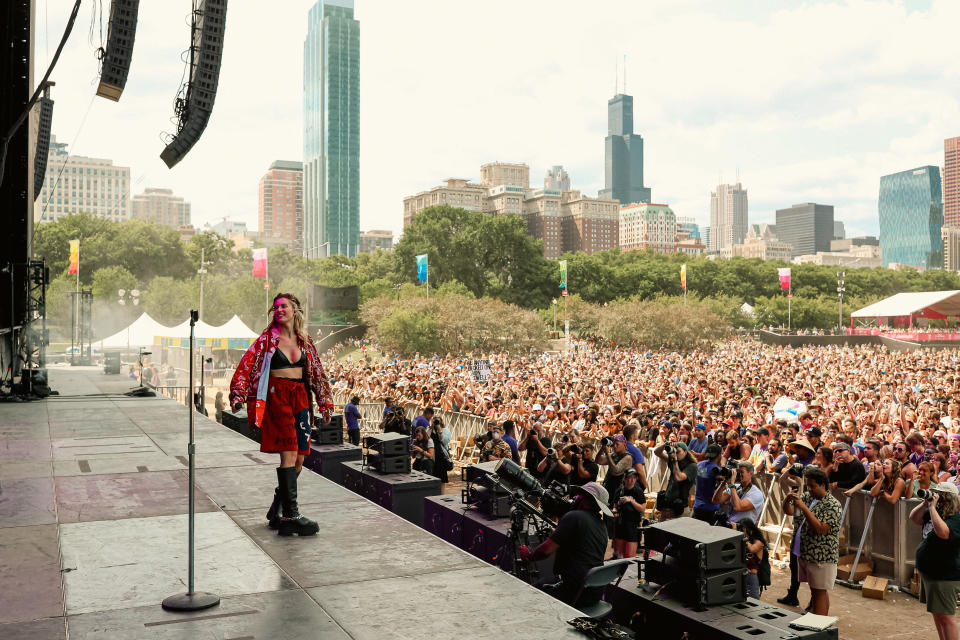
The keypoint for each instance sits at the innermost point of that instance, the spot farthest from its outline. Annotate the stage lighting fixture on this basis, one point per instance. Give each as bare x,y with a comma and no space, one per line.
193,110
115,60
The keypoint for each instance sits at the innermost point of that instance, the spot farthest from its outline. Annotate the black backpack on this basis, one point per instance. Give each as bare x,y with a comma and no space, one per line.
763,572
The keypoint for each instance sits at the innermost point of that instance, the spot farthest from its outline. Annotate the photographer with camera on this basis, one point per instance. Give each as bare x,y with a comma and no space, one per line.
578,543
816,536
673,501
743,500
440,436
585,469
535,443
556,466
614,454
938,556
629,505
709,475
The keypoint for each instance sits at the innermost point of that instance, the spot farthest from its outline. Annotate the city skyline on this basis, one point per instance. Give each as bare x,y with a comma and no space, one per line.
860,106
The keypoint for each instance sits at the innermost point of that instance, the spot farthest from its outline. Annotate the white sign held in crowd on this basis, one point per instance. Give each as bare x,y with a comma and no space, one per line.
480,370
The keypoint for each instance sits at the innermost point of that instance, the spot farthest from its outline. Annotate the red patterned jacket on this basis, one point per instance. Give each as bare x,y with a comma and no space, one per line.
251,379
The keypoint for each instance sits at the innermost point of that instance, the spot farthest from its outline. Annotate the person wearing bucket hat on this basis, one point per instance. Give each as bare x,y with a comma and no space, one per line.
578,544
938,556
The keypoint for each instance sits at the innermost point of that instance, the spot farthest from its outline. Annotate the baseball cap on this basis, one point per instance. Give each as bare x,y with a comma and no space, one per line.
815,432
681,445
537,407
599,495
630,472
700,426
713,451
762,431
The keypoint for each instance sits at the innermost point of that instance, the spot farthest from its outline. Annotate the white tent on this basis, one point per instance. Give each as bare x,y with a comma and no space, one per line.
140,333
930,304
746,309
235,328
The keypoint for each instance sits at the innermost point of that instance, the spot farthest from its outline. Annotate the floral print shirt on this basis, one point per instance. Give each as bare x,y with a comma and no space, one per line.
819,548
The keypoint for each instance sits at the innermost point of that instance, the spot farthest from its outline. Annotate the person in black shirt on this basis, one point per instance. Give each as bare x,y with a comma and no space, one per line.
535,443
672,501
584,468
556,467
847,470
578,544
938,557
630,504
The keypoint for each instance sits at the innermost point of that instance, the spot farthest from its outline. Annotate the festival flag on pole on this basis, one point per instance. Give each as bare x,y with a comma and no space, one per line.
260,263
74,257
563,274
683,277
784,278
422,268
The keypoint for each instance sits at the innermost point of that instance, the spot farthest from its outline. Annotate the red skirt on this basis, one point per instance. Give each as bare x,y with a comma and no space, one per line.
286,417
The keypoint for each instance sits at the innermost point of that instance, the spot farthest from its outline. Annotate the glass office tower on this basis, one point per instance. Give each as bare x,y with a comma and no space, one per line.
331,131
911,214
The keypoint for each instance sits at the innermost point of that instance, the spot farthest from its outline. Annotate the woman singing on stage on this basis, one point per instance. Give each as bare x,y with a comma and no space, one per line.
276,377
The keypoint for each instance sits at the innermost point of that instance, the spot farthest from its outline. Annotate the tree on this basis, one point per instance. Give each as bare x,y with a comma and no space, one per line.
169,300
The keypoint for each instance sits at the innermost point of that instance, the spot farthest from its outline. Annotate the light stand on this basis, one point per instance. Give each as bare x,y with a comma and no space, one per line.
140,354
191,600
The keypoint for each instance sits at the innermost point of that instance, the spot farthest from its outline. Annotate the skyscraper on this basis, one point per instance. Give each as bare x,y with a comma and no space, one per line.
807,227
557,179
951,182
728,217
78,184
280,214
331,131
623,154
911,214
160,206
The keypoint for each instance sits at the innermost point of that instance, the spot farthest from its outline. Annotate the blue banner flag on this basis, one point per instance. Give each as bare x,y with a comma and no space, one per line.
422,268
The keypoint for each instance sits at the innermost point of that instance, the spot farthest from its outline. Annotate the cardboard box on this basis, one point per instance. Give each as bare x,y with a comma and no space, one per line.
864,569
874,587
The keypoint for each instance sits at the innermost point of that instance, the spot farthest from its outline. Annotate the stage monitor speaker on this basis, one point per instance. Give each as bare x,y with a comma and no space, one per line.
477,472
698,546
194,111
326,435
388,444
115,65
706,590
388,464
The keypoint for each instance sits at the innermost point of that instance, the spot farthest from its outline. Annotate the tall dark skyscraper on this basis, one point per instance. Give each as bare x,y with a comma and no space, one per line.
331,131
623,154
807,227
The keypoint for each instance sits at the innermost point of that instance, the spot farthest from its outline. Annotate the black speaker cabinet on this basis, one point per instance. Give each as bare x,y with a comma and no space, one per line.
698,546
388,443
401,493
336,422
326,459
325,435
477,472
352,474
388,463
698,590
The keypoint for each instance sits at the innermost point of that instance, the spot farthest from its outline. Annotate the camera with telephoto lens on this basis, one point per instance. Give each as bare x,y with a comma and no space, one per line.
667,449
925,494
725,473
551,453
575,449
796,470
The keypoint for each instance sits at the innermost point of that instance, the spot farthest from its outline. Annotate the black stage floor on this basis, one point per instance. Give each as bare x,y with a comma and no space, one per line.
93,536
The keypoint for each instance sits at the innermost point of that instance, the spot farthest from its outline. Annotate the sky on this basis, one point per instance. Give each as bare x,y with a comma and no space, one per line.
803,101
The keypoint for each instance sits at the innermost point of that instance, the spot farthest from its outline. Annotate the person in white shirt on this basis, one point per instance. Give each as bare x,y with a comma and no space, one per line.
744,500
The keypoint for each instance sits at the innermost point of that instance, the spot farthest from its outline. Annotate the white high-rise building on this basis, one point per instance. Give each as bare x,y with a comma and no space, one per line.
557,179
77,184
728,217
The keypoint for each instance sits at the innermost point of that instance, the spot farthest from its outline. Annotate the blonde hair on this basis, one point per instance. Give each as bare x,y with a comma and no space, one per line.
298,319
949,504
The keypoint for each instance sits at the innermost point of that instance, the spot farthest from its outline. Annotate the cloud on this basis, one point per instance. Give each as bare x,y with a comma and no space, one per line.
809,102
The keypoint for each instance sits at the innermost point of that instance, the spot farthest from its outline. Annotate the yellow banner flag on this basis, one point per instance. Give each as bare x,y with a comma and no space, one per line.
74,257
683,277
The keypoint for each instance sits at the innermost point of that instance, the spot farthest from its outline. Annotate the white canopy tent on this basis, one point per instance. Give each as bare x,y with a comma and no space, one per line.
235,328
140,333
927,304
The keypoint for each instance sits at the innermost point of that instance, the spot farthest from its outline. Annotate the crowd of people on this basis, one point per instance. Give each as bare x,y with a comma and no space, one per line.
870,419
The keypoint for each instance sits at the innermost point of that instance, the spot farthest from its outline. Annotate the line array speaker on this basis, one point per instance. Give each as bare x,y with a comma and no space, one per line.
115,65
194,112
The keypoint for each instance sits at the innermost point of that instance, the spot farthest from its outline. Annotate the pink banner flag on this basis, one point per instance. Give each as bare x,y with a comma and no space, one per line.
259,263
784,278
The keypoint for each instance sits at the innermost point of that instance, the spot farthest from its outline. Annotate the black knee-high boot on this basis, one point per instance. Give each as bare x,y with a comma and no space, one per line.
273,513
292,522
